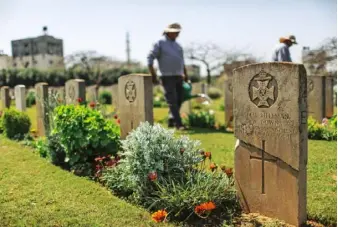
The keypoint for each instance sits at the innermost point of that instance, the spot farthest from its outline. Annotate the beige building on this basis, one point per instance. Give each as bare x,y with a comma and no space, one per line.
42,52
5,61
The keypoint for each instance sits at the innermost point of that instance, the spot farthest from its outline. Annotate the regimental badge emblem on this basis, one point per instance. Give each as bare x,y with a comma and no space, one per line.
263,90
130,91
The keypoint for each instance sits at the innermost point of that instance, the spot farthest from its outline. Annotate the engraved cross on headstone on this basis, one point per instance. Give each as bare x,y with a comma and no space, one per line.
263,159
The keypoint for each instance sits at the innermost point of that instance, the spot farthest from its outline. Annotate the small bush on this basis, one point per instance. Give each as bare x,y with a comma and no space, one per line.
327,130
201,119
214,93
221,107
30,99
105,97
153,149
160,171
42,147
84,134
15,124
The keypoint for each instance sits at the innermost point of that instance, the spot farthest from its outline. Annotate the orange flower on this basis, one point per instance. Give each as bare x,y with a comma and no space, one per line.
159,216
207,154
183,115
205,207
152,176
92,104
228,172
118,121
213,166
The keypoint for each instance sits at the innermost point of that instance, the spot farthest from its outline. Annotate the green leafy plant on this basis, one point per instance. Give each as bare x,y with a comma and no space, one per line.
201,119
105,97
214,93
15,124
84,134
327,130
181,198
30,99
42,147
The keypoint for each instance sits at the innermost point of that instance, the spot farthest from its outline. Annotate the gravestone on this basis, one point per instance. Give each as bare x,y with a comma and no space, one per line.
42,108
114,94
270,116
228,102
20,97
329,83
135,101
316,97
204,88
5,98
75,91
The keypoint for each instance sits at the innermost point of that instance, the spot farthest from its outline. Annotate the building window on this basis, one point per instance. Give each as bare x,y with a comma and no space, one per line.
26,45
51,62
34,62
26,64
26,53
14,64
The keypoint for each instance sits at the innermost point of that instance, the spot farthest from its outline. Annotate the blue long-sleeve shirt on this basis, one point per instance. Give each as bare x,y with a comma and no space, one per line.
281,53
169,55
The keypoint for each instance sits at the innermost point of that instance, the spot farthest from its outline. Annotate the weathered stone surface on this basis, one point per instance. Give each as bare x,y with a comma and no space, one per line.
75,90
115,95
228,102
5,98
204,88
329,82
316,97
135,101
20,97
41,90
270,114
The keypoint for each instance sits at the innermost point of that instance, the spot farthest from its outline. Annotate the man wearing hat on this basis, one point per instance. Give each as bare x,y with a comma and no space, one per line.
282,52
169,55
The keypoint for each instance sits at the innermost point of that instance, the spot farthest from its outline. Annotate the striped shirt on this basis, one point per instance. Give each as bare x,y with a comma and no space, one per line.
281,53
169,55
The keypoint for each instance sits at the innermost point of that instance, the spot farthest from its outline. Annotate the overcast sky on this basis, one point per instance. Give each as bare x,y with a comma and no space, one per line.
253,26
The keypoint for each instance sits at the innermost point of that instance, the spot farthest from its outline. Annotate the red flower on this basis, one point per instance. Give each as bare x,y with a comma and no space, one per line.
79,100
182,150
159,216
115,116
92,104
99,158
228,172
118,121
152,176
205,207
110,162
213,166
207,155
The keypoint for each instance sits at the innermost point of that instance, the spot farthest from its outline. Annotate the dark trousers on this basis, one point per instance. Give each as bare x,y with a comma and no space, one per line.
174,95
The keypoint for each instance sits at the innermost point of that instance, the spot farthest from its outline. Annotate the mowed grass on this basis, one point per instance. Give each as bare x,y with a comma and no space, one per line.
33,192
321,169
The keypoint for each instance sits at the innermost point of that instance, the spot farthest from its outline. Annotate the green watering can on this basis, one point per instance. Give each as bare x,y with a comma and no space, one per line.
187,89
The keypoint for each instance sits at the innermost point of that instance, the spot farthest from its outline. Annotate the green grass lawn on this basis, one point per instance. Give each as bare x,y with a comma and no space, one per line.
321,184
33,192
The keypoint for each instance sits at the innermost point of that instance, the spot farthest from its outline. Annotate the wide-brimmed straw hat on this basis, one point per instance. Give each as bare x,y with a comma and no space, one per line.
291,38
175,27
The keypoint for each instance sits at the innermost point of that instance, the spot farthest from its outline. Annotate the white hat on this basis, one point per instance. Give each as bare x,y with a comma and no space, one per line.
175,27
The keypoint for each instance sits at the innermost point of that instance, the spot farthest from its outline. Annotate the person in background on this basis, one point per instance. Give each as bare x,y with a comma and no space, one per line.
282,53
170,57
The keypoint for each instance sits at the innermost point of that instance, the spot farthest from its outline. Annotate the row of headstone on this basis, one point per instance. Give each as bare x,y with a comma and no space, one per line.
270,121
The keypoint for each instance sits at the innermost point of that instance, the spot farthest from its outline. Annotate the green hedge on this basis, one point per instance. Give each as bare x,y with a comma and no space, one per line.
29,77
